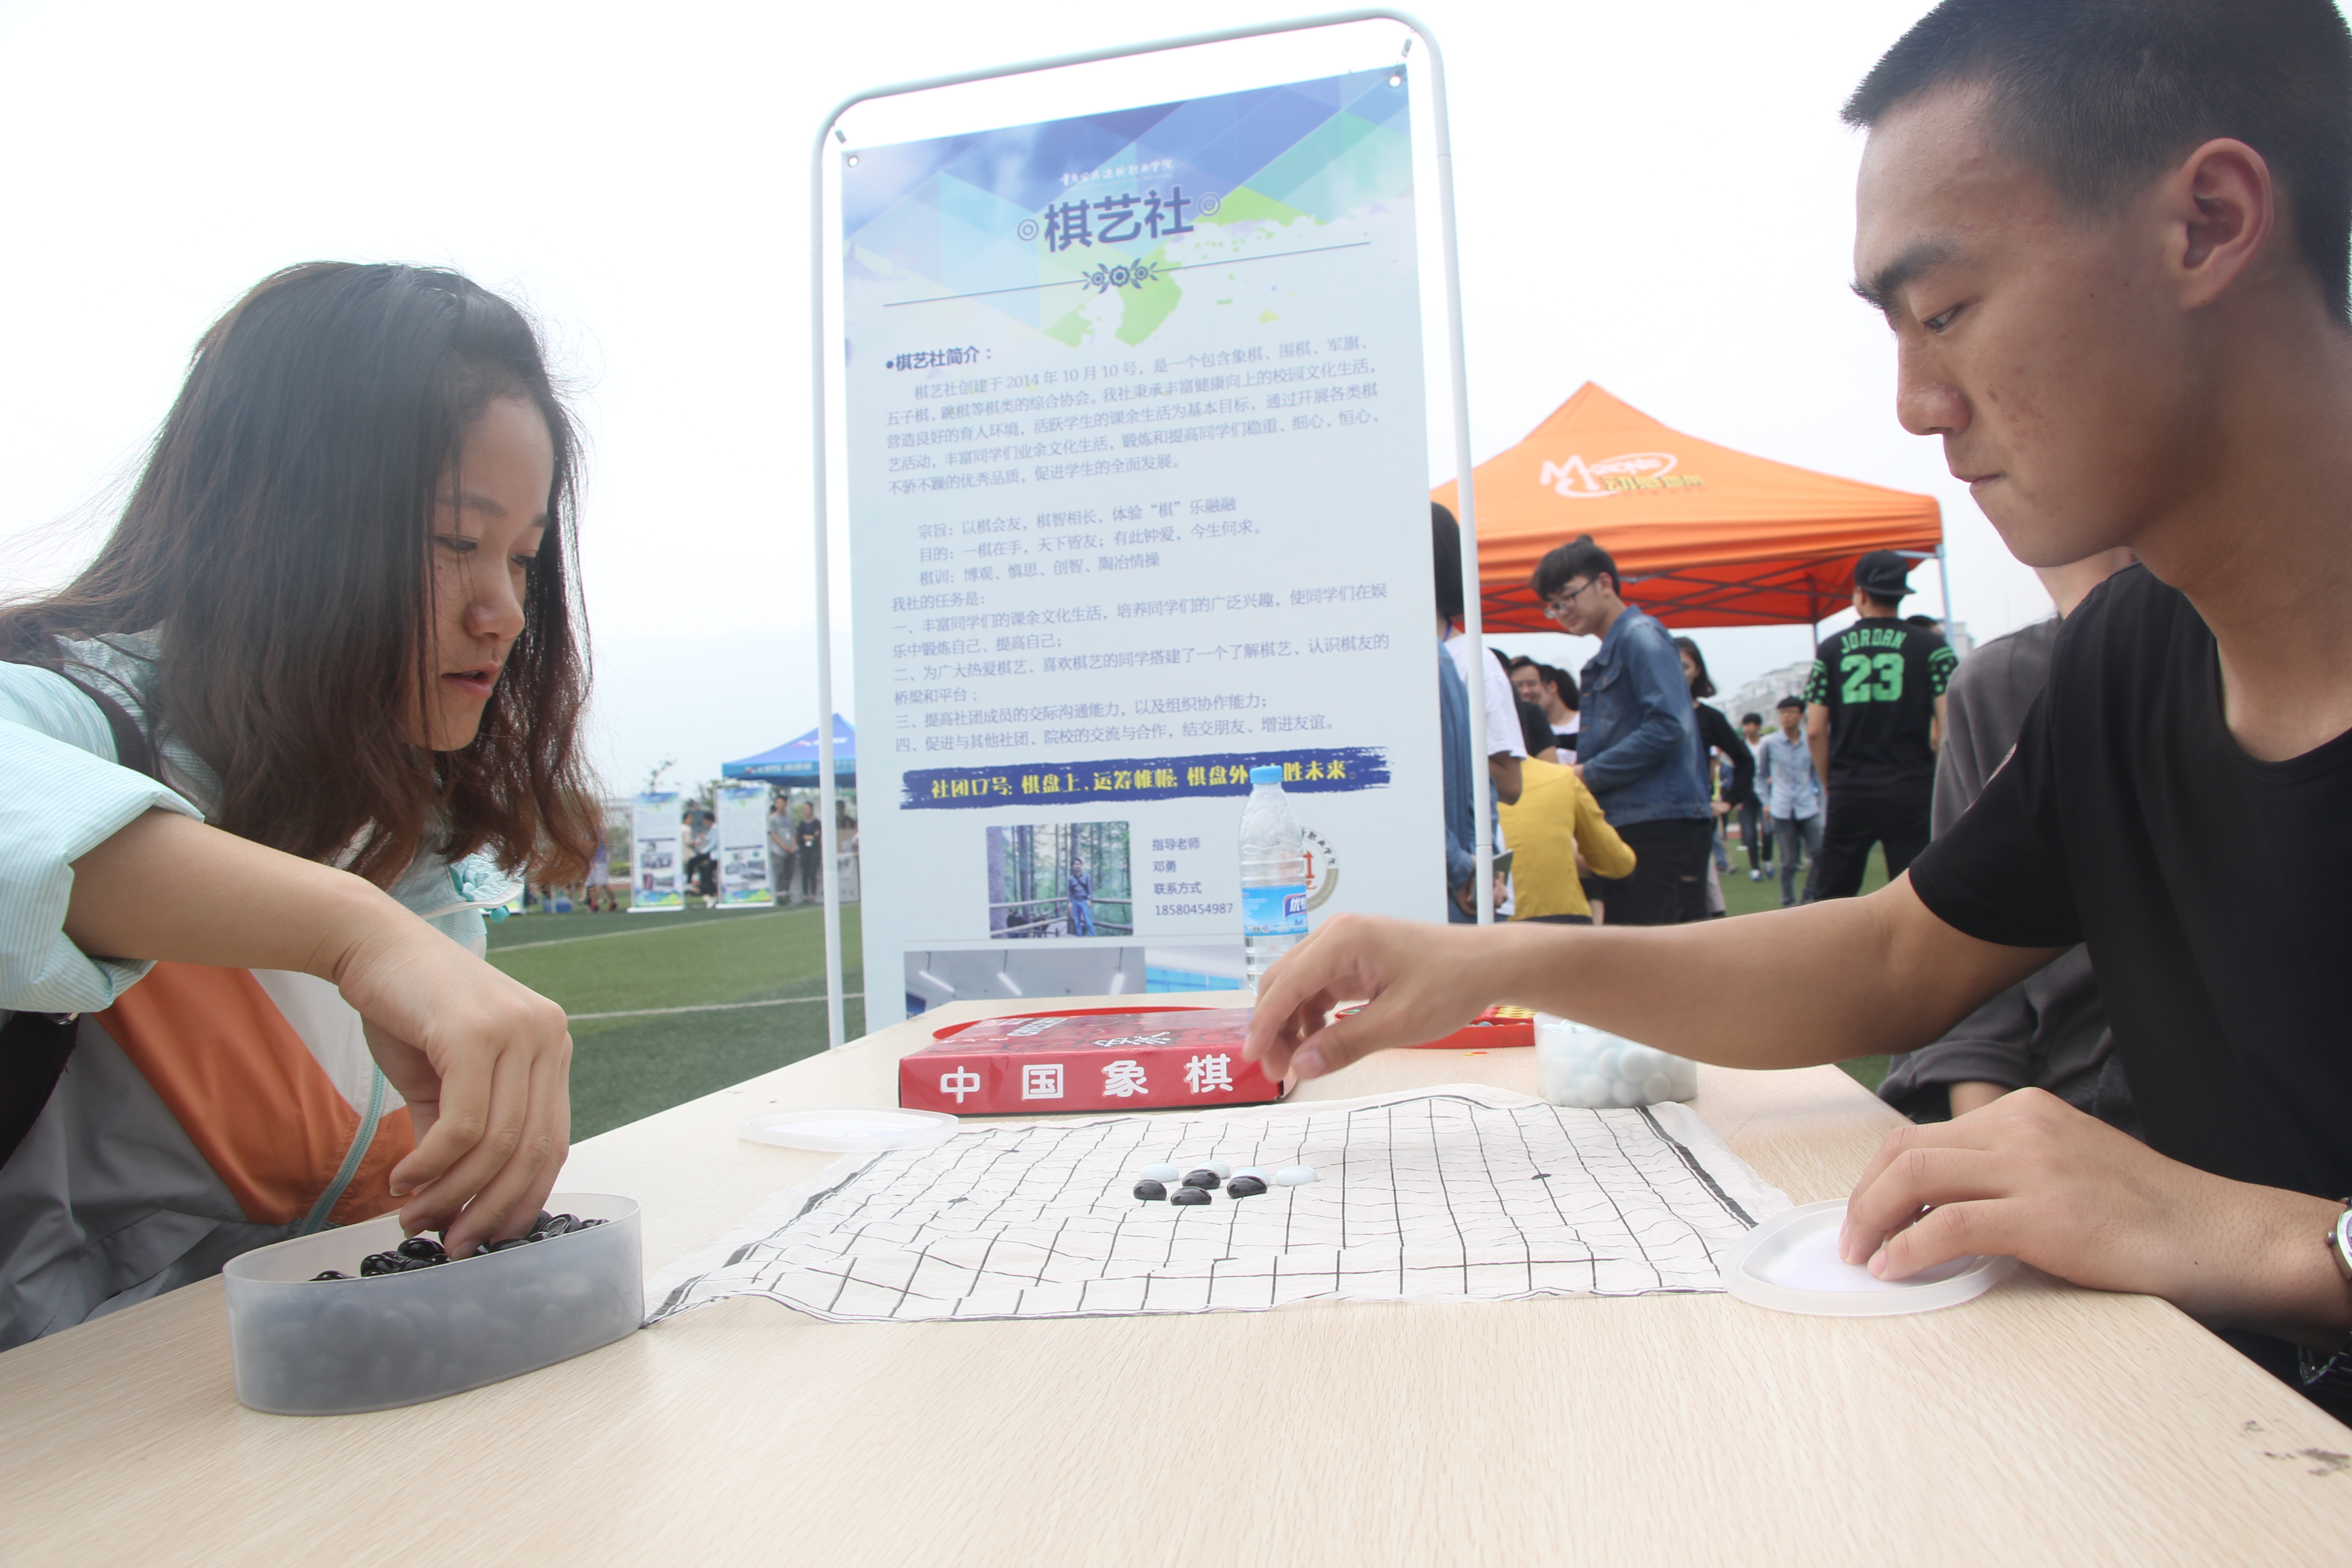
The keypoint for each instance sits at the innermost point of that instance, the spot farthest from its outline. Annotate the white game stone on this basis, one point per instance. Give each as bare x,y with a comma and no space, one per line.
1223,1171
1161,1172
1294,1175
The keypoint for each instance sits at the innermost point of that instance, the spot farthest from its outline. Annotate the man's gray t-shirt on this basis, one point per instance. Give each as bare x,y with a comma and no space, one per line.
2050,1030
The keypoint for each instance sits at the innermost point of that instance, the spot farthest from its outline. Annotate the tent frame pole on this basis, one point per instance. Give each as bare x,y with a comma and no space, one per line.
819,364
1943,576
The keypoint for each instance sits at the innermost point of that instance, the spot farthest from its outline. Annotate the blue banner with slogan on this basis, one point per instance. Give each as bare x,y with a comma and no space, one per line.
1321,770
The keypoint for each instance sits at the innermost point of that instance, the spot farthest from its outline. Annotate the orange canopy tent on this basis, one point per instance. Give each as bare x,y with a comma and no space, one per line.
1705,536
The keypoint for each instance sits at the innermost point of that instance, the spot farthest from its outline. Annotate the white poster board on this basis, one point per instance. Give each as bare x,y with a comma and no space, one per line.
659,861
1139,500
743,880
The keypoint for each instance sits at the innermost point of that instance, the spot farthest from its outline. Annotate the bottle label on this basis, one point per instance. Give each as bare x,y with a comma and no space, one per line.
1273,911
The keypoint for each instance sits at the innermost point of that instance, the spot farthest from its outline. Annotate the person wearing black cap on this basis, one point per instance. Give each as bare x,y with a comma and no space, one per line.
1873,712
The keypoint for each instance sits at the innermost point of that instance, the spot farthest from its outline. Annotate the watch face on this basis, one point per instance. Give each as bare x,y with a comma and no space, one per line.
2340,1239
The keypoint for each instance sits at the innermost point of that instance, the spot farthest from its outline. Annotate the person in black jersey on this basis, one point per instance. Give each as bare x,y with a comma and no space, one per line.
2113,239
1875,714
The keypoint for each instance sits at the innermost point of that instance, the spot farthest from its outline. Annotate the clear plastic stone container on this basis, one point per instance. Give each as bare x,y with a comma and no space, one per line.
1591,1068
302,1346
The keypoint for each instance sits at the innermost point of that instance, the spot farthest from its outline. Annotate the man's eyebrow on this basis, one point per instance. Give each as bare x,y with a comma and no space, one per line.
1879,290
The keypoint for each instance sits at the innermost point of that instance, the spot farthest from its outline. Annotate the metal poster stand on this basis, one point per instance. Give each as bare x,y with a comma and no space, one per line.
820,253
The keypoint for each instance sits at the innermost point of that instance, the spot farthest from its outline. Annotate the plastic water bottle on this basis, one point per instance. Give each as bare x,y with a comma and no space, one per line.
1274,875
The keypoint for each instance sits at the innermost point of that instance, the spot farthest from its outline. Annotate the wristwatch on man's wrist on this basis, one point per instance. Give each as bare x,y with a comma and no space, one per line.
2339,1248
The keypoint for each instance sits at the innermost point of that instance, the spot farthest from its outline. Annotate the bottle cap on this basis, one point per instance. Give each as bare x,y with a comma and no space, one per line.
1265,775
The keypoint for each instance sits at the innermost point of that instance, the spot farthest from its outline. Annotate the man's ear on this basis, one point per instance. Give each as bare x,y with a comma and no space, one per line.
2220,210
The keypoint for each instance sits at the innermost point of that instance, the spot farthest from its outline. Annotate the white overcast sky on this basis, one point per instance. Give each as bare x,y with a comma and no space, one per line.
1655,197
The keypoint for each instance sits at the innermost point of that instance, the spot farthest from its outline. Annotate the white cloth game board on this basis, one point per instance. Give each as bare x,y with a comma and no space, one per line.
1460,1194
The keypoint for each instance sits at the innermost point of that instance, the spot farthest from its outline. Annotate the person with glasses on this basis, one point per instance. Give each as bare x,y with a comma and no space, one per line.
1637,741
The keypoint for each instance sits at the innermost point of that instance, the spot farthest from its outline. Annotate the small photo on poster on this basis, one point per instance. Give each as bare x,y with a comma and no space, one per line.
1059,879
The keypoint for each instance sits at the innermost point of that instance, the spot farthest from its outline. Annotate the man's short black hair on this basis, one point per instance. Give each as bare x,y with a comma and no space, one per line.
1790,701
1579,557
1757,718
1519,663
1535,729
1930,622
2103,95
1445,538
1560,681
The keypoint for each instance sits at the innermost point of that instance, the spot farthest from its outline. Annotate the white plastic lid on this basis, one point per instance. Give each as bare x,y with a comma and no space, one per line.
848,1129
1791,1264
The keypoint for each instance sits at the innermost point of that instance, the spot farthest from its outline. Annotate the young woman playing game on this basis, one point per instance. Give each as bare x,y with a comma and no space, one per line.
314,697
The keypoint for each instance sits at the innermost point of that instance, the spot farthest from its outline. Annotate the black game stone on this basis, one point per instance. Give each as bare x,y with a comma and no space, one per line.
1189,1194
424,1252
1149,1191
1243,1187
1204,1178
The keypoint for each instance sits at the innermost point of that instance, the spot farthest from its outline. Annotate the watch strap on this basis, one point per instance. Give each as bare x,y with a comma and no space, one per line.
2312,1369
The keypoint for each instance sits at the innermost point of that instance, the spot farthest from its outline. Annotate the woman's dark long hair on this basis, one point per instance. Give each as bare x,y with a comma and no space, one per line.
1704,685
280,537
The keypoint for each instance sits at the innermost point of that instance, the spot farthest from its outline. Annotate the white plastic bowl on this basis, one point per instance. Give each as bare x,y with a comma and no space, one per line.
1590,1068
1790,1263
302,1346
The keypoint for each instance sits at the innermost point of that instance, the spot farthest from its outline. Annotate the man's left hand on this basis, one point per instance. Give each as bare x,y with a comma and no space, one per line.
2031,1177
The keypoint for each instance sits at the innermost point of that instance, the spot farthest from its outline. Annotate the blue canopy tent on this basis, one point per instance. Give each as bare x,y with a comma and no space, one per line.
795,762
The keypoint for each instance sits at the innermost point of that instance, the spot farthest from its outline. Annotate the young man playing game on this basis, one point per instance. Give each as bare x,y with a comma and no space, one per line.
2110,237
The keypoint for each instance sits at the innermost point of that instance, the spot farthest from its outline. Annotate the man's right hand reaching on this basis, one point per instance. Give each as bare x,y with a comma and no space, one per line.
1419,981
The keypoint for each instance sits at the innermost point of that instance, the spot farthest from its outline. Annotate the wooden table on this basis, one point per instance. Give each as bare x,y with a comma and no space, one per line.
2039,1424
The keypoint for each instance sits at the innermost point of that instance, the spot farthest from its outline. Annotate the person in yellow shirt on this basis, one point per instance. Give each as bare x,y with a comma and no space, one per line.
1556,829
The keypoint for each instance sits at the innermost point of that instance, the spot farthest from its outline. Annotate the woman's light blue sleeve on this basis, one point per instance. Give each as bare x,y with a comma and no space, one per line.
61,796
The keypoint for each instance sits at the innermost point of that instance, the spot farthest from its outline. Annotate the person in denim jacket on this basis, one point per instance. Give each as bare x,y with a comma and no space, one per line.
1637,739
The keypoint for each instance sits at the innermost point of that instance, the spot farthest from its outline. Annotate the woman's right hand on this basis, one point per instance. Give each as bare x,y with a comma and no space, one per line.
482,1061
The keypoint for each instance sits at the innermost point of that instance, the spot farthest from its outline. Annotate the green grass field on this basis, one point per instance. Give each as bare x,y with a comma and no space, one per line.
1742,897
709,961
679,983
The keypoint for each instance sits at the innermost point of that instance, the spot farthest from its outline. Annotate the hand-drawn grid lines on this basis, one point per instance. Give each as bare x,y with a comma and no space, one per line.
1433,1198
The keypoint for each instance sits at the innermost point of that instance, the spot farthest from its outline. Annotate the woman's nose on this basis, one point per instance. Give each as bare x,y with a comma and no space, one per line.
496,610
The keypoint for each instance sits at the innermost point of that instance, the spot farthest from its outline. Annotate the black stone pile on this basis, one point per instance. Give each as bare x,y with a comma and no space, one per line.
1198,1184
424,1252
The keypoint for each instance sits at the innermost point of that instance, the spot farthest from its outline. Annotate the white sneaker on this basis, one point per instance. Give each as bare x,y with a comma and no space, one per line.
1754,876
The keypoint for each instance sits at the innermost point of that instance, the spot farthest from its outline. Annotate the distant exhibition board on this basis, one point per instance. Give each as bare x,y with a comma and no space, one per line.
1138,501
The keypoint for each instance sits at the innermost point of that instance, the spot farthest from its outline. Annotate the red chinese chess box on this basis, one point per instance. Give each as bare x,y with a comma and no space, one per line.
1494,1028
1139,1059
